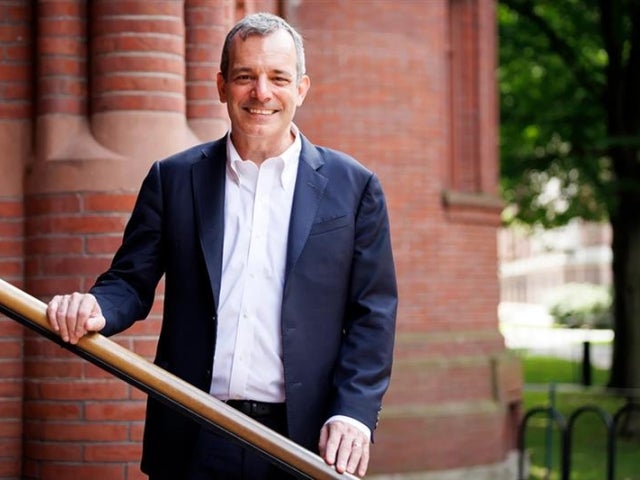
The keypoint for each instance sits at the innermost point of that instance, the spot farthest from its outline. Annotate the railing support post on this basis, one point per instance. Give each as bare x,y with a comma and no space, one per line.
586,363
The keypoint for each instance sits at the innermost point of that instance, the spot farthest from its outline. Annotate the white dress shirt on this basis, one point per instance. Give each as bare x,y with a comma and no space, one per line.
248,354
257,209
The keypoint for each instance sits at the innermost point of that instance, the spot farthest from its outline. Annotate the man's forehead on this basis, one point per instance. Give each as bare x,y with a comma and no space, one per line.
277,39
273,51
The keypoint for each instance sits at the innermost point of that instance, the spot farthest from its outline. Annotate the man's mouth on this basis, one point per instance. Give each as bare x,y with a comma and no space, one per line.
261,111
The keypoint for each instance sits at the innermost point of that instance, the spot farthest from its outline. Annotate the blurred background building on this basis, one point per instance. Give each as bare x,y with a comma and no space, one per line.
535,263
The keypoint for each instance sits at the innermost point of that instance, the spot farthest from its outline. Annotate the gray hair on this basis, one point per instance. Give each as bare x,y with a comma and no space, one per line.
262,24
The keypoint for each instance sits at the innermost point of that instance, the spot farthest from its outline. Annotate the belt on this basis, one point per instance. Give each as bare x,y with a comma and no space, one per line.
257,409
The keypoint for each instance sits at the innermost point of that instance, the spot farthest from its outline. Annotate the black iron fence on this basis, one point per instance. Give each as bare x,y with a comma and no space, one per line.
565,427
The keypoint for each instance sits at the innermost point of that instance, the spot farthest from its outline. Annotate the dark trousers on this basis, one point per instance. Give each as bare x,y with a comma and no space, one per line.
217,456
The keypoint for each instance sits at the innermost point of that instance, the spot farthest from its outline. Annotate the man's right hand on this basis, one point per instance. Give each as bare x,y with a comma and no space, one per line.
74,315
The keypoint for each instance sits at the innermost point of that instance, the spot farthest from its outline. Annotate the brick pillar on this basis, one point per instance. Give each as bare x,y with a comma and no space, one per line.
11,336
206,26
56,383
80,421
62,80
383,89
15,142
138,70
111,99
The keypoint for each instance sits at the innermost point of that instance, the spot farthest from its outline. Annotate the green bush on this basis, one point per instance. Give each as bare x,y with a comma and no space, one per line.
581,305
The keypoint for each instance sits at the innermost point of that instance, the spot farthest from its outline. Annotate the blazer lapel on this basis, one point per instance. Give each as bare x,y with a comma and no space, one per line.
309,188
208,179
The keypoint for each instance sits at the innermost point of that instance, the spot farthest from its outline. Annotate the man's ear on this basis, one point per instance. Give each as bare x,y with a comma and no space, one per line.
303,88
221,83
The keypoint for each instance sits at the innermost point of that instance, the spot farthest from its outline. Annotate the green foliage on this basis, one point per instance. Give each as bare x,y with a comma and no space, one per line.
581,305
560,64
553,122
570,134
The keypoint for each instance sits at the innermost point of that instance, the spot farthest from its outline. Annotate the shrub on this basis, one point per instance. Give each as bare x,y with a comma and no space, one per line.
581,305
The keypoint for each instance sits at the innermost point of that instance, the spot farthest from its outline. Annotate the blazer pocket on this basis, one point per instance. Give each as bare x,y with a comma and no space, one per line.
330,225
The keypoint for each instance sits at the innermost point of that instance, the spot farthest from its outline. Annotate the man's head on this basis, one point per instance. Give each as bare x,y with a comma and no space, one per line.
262,24
262,82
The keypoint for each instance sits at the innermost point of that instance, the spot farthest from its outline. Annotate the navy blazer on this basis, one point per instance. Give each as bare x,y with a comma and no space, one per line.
339,301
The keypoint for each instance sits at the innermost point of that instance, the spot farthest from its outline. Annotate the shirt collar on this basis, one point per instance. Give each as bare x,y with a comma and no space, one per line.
289,159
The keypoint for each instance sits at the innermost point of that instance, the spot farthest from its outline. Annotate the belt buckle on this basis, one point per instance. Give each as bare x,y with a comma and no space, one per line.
252,408
246,407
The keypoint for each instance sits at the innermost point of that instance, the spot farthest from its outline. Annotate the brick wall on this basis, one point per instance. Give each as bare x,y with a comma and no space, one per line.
406,87
15,129
11,342
79,421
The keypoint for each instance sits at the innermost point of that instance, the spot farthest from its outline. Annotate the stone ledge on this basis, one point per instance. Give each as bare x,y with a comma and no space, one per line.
441,410
477,208
506,470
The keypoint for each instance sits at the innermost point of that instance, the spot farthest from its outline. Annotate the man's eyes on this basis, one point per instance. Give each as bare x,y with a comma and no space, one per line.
244,79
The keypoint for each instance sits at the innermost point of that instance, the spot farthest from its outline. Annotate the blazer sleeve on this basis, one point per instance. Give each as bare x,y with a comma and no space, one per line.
126,291
365,358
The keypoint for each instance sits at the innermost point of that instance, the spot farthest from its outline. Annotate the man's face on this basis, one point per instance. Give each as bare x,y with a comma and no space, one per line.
261,91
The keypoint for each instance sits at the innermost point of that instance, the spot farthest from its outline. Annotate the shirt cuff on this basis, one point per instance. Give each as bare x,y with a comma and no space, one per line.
352,421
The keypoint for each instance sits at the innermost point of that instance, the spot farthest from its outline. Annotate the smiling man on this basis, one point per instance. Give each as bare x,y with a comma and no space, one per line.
280,293
260,84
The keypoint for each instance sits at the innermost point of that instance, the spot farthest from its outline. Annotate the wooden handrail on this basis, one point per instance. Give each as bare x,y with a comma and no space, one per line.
174,391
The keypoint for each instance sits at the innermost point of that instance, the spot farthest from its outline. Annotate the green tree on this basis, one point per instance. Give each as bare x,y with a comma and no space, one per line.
569,80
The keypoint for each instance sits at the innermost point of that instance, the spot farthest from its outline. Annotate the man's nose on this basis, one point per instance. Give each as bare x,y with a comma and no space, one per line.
261,89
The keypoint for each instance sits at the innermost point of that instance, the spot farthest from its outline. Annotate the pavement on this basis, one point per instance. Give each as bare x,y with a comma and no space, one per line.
529,327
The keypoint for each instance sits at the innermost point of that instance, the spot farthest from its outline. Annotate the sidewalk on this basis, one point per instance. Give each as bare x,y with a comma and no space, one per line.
529,327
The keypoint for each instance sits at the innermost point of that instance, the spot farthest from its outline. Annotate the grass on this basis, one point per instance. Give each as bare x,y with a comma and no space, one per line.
588,458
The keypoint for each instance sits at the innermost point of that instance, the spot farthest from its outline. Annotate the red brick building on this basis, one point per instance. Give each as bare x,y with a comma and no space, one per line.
91,92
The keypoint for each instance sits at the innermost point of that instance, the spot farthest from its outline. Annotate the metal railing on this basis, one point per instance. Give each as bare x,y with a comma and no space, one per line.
565,427
171,390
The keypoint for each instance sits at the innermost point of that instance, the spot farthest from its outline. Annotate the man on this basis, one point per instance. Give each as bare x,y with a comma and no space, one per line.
280,293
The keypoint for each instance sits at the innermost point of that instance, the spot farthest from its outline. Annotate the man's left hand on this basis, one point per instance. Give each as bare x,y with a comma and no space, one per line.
345,447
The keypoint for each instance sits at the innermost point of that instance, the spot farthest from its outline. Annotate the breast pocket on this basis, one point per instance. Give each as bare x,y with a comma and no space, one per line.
331,225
